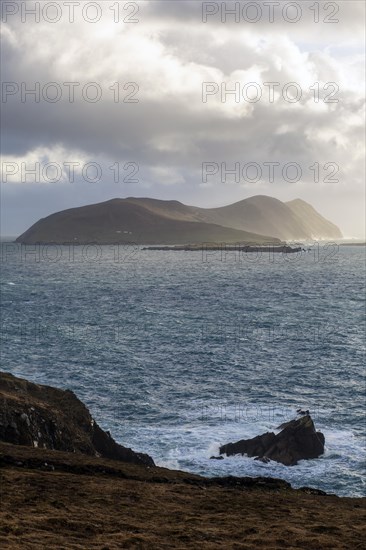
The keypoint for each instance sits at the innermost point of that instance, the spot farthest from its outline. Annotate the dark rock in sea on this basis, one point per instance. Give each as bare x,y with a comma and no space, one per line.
296,441
300,411
50,418
216,457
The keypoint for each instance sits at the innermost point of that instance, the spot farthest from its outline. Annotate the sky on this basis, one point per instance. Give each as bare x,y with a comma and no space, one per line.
182,100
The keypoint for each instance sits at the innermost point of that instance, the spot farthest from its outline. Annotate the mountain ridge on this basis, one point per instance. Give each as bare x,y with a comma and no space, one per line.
259,219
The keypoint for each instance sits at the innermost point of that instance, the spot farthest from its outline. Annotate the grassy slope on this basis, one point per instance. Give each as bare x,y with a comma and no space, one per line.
60,501
120,221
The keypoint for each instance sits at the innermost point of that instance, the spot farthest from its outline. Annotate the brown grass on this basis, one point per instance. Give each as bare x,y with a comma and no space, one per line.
53,500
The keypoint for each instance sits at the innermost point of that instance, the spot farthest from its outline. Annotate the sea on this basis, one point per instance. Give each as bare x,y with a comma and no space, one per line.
177,353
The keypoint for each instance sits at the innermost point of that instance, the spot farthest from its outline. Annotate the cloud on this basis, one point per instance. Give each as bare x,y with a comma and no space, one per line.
162,61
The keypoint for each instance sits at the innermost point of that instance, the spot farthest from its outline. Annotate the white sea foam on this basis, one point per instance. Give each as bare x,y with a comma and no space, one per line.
338,470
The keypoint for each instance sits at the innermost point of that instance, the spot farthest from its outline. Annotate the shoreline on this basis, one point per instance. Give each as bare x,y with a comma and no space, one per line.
67,484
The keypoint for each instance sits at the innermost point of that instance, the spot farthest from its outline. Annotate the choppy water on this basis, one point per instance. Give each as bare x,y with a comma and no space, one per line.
177,353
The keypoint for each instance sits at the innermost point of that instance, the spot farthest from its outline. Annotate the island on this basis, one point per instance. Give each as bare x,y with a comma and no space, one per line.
258,220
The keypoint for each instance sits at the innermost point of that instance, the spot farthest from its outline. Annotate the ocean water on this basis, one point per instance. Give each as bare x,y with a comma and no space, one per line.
179,352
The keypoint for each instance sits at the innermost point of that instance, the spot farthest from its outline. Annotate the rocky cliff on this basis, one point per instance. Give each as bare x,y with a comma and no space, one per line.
50,418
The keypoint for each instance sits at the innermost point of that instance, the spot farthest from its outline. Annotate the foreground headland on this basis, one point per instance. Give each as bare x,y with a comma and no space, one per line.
56,499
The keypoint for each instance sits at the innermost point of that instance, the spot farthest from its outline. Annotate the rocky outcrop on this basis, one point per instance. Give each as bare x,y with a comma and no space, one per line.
46,417
296,441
